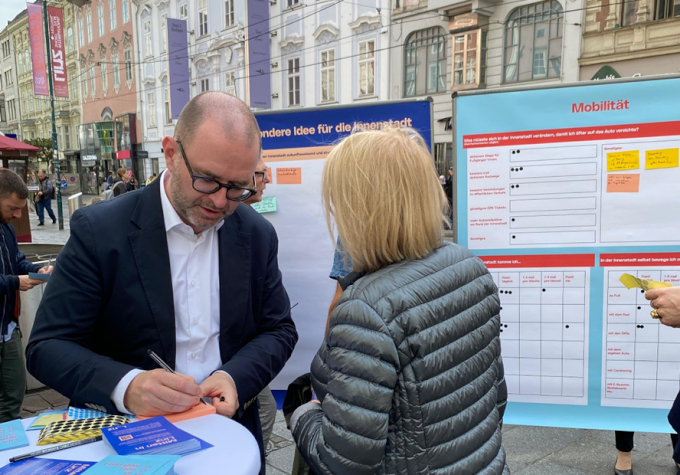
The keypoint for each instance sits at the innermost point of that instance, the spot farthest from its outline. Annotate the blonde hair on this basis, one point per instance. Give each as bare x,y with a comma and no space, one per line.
121,172
383,193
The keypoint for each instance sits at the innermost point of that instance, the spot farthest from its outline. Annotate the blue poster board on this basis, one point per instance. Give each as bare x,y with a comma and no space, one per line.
560,191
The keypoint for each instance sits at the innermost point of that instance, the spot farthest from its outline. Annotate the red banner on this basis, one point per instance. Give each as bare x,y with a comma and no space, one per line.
526,261
578,134
35,31
56,25
642,259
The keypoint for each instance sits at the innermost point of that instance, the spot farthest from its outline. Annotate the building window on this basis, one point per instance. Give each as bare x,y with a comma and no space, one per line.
533,42
84,85
126,11
81,34
88,20
105,77
202,17
467,59
128,67
230,83
367,68
147,39
0,82
73,86
5,49
115,59
205,85
20,64
294,82
183,12
69,40
112,14
228,13
168,112
8,77
151,103
11,109
425,62
663,9
328,75
67,137
164,32
292,3
100,18
93,83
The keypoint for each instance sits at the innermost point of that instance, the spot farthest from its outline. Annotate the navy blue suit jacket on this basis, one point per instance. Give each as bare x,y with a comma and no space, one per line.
110,299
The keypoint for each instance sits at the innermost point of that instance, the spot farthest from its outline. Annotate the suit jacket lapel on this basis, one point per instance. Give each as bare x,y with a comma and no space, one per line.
235,274
150,250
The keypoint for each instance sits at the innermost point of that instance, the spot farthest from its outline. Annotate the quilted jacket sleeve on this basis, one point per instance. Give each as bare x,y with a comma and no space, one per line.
360,361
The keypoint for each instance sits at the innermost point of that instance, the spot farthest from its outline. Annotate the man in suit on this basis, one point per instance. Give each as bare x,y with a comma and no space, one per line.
179,268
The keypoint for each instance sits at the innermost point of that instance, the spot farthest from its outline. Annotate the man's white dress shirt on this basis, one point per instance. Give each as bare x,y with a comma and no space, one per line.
194,265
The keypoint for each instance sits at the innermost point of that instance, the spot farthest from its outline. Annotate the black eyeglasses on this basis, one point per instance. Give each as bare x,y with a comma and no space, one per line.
261,175
208,186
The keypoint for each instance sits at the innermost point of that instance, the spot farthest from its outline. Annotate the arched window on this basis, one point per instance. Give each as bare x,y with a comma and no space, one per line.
533,42
425,62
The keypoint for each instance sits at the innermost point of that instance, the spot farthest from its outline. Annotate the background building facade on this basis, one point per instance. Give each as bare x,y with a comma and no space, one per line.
630,38
108,85
35,111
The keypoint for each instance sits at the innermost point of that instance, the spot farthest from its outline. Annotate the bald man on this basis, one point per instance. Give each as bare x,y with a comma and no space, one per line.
178,268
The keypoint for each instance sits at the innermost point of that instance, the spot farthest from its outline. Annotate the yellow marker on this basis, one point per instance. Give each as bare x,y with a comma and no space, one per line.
628,160
630,282
666,158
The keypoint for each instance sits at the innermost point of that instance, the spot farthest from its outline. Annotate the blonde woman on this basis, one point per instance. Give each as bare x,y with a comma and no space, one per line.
409,378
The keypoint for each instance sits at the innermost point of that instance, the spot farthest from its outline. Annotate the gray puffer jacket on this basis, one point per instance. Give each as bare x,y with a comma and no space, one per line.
410,375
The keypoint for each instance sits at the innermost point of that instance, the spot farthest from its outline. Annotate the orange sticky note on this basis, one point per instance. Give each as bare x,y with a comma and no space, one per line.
623,183
289,176
197,411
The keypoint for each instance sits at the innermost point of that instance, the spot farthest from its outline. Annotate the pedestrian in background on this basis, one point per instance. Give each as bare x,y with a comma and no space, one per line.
121,176
418,321
43,199
132,183
266,398
14,269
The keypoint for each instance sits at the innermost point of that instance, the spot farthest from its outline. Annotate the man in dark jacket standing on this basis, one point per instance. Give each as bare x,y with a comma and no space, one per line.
44,199
14,268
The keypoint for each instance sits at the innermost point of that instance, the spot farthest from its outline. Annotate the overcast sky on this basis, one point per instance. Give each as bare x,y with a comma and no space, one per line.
9,9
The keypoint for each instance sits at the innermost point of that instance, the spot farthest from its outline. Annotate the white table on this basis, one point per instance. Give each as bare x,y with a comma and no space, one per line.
233,447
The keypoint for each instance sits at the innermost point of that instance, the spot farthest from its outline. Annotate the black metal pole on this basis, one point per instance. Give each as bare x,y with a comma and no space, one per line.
55,149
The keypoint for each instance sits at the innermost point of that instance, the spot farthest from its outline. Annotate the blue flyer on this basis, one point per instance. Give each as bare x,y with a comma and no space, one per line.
12,435
35,466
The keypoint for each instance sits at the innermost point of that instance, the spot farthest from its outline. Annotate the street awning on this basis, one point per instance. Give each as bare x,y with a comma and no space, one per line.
7,143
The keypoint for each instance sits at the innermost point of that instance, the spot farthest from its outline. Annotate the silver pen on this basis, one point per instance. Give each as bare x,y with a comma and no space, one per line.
165,366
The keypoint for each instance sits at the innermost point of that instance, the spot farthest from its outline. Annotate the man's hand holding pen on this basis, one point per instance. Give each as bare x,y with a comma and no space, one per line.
158,392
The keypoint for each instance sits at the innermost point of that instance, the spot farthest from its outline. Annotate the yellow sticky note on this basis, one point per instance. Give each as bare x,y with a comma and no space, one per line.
666,158
628,160
630,282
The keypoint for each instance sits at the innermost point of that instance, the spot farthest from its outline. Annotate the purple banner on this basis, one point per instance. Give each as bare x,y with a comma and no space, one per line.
35,33
257,44
178,68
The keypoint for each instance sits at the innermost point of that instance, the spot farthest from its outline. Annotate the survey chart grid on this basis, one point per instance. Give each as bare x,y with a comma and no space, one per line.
544,325
642,363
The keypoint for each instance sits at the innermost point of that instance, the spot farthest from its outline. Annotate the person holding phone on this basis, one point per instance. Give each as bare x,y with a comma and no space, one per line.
14,269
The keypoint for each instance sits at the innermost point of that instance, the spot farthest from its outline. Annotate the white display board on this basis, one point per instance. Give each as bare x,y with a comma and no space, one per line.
295,145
